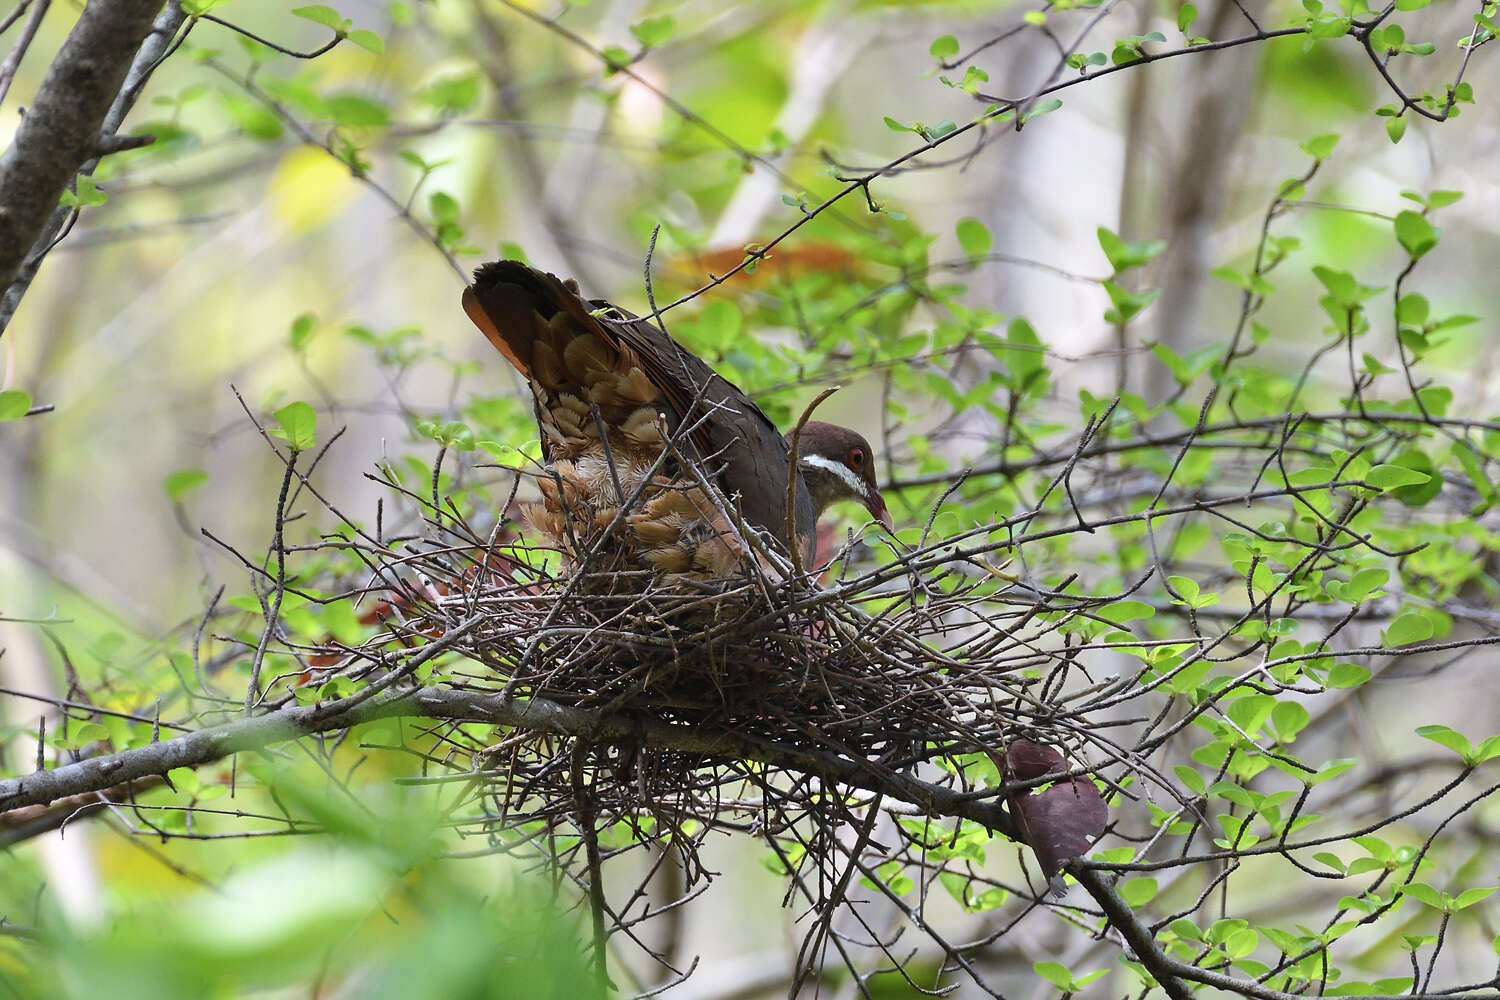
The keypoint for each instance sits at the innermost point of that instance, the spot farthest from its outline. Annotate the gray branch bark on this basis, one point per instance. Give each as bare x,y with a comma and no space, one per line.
91,85
293,722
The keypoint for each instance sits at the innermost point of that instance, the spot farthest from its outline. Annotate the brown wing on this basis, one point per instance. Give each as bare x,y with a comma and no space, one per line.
743,448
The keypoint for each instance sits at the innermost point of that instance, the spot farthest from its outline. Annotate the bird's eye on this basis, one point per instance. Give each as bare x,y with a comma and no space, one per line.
856,458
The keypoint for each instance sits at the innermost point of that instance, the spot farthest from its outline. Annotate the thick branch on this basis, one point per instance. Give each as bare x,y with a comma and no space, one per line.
82,99
23,824
207,745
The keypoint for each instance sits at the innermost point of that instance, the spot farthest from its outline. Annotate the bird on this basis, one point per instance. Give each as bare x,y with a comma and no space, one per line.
611,391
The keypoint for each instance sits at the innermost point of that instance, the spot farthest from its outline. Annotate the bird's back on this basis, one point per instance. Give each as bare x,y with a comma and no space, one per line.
610,387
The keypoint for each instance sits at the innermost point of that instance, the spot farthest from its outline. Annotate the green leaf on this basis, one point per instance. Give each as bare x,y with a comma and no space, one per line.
82,734
1190,778
1453,322
179,484
1128,304
298,422
255,120
303,327
974,238
1407,628
184,779
1365,582
1415,233
1122,255
1487,750
1412,309
1450,738
973,77
614,57
1250,713
1347,675
1320,147
452,95
1288,719
1390,477
654,30
1469,897
1424,894
1340,284
1124,611
1137,892
1328,26
356,111
84,193
1332,769
1474,468
1186,929
368,40
1045,108
324,15
1055,973
1395,128
197,8
1025,356
1417,495
444,207
1186,15
1035,18
456,434
14,403
1186,586
1185,369
943,47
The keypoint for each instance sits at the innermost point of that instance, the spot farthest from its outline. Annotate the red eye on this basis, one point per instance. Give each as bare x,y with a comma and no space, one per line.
856,459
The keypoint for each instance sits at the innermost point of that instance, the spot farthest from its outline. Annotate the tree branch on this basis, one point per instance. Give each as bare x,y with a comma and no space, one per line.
23,824
293,722
86,93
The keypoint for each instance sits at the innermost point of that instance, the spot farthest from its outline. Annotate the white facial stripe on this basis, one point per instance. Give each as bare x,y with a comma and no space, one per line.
856,484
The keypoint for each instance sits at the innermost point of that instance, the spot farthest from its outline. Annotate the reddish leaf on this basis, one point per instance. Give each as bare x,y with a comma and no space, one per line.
1027,759
1062,821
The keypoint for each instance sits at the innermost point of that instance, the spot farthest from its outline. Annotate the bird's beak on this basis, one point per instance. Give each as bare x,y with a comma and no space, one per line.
876,506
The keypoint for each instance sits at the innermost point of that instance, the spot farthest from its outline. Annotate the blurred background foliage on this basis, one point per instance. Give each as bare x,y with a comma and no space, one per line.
300,231
365,904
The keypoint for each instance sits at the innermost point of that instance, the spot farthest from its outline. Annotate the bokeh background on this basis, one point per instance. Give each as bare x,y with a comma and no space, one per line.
187,285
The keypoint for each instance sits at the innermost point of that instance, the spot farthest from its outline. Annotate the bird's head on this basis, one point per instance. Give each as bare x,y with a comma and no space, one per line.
837,464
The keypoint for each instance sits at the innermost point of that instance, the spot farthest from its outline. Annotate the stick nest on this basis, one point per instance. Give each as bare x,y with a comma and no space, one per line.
917,660
851,668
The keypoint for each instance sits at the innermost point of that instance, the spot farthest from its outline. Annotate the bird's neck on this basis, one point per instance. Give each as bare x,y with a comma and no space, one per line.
828,481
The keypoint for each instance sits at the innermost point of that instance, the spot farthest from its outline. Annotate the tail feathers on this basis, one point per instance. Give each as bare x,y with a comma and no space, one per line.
504,301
